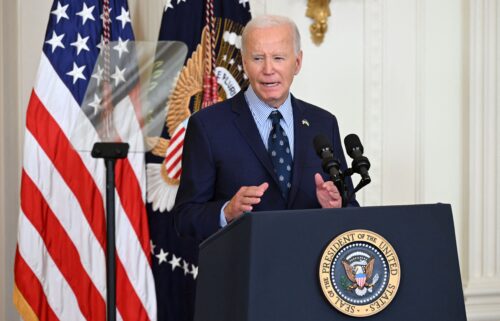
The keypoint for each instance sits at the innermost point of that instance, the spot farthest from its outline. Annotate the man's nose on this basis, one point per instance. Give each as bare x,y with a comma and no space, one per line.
268,66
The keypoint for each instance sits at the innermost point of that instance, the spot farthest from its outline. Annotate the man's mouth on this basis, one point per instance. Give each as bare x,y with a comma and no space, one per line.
270,84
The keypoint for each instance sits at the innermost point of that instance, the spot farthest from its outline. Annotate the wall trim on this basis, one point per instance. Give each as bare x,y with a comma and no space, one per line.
475,138
482,298
3,296
497,134
11,129
482,291
373,96
483,121
420,75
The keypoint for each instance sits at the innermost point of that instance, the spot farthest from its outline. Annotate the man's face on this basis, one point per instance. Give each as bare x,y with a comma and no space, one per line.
270,62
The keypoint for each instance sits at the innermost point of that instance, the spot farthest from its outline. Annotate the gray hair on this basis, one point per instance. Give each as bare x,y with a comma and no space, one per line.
266,21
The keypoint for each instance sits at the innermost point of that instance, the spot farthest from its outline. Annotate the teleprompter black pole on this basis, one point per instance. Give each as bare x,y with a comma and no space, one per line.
110,152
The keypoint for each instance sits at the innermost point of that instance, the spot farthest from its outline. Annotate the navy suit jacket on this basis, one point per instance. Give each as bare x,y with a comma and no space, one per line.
223,151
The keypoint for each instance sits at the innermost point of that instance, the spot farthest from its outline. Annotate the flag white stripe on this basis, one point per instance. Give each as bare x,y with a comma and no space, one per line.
129,130
61,201
132,256
59,295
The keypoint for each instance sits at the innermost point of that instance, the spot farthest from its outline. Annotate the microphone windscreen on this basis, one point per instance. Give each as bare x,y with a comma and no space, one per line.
352,143
321,142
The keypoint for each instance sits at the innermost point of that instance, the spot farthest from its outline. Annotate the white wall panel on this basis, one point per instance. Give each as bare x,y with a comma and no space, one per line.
3,292
483,283
443,107
146,19
11,134
398,113
33,18
373,97
497,146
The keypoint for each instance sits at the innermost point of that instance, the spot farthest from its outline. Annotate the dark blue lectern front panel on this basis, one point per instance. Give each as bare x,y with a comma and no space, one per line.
264,267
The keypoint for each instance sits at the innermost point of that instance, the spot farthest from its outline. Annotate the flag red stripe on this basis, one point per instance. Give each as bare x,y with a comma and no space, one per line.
69,164
131,199
62,250
127,301
29,285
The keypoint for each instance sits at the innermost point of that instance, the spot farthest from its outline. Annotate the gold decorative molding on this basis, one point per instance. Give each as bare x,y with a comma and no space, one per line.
319,11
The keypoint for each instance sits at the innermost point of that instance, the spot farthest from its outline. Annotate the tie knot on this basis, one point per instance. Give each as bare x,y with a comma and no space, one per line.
275,117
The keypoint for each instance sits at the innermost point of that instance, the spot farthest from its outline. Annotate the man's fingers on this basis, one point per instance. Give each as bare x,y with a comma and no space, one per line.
253,191
246,208
327,193
250,200
263,187
318,179
332,189
329,187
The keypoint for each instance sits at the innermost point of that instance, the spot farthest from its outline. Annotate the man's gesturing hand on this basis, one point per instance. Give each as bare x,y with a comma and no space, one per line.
243,200
328,195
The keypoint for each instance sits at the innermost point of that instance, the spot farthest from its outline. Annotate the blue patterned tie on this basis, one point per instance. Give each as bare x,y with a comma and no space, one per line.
281,156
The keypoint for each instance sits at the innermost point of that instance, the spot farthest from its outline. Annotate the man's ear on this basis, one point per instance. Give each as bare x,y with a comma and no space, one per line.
244,63
298,62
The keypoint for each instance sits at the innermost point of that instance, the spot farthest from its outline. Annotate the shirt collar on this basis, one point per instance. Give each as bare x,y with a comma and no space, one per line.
261,110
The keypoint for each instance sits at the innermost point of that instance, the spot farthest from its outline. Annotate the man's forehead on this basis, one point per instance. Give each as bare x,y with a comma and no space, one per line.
270,44
256,53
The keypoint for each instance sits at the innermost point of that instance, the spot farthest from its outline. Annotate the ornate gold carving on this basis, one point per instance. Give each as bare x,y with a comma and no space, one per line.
319,11
157,145
164,175
189,83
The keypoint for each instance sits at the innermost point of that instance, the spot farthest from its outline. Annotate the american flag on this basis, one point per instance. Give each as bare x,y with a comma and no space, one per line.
60,270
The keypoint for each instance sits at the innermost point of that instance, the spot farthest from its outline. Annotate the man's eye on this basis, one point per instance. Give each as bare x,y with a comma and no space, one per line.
257,58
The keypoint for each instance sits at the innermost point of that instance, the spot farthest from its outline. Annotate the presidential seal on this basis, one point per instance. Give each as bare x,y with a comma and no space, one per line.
359,273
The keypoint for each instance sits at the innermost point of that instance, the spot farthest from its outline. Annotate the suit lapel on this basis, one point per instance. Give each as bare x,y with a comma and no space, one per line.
299,147
246,124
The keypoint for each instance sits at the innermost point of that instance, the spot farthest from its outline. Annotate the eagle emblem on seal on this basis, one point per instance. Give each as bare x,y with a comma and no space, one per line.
358,267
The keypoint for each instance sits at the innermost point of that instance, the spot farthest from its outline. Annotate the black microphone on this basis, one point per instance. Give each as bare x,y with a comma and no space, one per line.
360,164
324,149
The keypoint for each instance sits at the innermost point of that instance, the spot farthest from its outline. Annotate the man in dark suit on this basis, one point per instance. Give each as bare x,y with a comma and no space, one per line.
254,151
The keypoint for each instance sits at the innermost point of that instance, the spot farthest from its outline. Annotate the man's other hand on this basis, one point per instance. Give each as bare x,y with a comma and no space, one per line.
243,200
328,195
